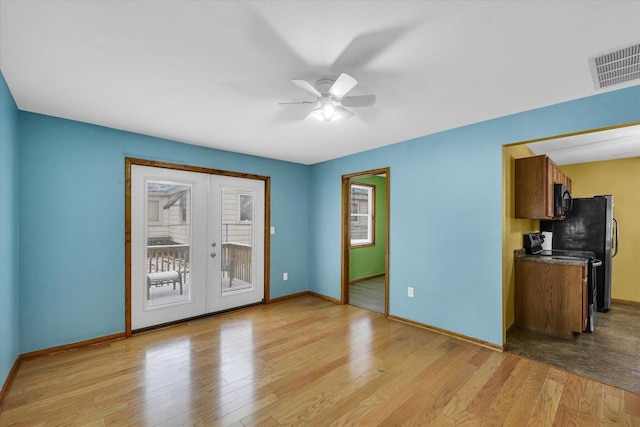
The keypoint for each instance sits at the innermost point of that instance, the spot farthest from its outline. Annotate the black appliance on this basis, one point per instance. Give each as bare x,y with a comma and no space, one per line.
532,243
589,226
562,200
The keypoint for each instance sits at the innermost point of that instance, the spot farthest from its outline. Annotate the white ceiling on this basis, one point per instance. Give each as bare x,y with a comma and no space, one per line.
610,144
212,72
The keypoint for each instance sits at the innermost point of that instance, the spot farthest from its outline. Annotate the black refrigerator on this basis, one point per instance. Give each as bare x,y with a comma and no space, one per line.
590,226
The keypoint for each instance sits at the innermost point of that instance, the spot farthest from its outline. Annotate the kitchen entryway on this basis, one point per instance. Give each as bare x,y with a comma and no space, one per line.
610,355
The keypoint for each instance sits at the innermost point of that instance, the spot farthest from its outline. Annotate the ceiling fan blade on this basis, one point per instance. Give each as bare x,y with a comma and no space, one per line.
306,86
343,85
298,103
359,101
342,113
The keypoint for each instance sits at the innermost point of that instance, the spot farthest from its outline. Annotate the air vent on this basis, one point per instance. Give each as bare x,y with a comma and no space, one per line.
615,66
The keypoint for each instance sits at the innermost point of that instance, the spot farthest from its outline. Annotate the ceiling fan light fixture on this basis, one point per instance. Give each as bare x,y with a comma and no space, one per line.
328,109
330,95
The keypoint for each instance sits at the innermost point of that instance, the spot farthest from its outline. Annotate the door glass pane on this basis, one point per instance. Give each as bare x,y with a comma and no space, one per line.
237,234
168,243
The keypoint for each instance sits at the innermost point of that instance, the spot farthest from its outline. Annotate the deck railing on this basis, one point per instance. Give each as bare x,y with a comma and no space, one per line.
235,262
169,258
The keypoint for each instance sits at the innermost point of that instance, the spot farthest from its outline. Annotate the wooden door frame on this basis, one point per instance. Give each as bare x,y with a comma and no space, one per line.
129,162
345,240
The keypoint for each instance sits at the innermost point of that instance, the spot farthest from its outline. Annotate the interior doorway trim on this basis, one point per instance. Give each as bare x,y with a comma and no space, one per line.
345,240
129,162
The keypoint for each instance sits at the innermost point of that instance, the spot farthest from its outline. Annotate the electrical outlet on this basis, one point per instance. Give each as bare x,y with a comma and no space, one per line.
285,276
410,292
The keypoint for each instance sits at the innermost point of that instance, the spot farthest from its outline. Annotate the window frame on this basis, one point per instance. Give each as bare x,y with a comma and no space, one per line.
371,224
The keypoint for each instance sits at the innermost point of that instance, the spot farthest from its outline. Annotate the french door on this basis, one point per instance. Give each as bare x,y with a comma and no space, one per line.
197,244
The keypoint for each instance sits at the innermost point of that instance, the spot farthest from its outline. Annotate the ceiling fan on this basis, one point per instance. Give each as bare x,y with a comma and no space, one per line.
331,101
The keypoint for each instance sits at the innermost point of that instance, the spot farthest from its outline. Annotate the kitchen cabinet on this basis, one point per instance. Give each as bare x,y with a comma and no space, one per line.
551,298
534,179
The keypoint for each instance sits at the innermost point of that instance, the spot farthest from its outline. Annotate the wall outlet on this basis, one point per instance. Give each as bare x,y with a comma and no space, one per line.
285,276
410,292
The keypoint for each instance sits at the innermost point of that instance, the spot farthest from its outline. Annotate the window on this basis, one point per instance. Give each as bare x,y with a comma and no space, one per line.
362,213
245,207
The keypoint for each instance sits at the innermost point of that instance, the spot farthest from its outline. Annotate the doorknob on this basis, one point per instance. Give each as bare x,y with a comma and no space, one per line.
213,245
213,254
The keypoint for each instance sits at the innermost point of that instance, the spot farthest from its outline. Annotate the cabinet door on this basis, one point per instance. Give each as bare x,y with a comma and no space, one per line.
553,176
531,192
550,298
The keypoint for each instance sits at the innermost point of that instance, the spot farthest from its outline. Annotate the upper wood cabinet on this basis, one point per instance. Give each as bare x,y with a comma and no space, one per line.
534,181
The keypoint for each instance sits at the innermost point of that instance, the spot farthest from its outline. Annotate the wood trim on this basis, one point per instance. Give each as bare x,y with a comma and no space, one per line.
451,334
324,297
9,380
364,279
267,240
72,346
129,162
345,241
626,302
190,168
386,242
127,246
288,297
302,294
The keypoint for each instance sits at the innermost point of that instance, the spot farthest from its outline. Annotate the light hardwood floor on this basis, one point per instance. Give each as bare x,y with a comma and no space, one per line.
304,361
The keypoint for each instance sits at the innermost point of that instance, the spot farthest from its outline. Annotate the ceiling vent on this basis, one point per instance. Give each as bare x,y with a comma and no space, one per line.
615,66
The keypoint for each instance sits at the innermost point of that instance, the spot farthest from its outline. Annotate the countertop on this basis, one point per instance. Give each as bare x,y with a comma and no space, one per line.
519,254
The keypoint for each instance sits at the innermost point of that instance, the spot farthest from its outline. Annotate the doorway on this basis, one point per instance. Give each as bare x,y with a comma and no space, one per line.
365,240
197,242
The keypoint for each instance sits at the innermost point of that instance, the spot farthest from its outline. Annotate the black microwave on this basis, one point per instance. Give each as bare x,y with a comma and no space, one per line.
562,201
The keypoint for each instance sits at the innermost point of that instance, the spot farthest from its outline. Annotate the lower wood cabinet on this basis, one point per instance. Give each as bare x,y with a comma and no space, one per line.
551,298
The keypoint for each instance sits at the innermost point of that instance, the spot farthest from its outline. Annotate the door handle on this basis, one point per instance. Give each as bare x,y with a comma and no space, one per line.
213,254
213,245
617,237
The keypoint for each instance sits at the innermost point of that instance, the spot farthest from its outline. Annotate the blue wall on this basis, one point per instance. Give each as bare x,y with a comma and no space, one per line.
446,212
72,223
9,329
445,222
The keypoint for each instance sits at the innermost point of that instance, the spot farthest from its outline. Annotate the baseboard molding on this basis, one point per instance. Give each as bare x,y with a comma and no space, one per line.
451,334
364,279
72,346
9,380
626,302
288,297
324,297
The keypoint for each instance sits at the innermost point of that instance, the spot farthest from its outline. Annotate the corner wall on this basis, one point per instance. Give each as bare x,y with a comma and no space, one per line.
446,212
9,220
512,229
72,223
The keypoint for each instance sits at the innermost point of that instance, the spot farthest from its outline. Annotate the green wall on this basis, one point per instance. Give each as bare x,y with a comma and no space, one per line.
369,261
